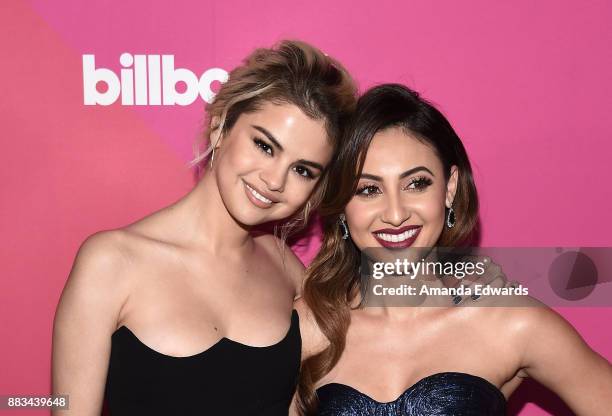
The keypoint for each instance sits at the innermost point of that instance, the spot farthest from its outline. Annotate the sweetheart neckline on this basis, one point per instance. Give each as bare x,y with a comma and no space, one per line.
292,324
418,382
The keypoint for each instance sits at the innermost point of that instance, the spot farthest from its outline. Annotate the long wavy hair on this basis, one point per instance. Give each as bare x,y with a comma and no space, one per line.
333,280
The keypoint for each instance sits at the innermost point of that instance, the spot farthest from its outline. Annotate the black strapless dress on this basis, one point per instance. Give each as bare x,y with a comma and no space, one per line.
441,394
229,378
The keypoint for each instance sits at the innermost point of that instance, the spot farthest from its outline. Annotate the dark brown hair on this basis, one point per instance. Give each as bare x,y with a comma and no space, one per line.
333,276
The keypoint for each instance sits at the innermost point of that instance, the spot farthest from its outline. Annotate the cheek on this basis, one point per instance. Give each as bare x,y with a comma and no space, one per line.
239,156
235,159
360,215
432,213
229,166
297,190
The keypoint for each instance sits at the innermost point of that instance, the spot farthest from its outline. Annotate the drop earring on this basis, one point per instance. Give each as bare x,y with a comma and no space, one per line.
451,218
345,230
215,146
212,157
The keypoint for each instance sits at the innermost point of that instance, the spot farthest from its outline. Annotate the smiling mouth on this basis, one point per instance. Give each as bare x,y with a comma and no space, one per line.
257,198
397,238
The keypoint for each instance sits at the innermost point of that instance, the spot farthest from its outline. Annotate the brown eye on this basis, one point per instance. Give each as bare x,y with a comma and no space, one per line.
263,146
419,184
368,190
303,172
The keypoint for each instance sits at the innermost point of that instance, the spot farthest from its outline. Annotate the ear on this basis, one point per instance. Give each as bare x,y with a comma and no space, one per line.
215,132
451,186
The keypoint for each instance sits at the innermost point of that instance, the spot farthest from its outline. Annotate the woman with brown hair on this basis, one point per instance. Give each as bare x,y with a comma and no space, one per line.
189,310
403,180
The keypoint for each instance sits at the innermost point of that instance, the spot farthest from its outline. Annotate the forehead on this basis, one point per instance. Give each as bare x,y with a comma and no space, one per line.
293,129
393,151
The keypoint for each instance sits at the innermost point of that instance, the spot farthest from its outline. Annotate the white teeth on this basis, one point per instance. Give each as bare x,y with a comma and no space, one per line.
258,195
396,238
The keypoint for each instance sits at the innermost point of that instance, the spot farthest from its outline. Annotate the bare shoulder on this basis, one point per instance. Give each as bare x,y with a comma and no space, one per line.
553,353
99,267
529,325
107,267
103,253
313,339
87,314
287,259
516,313
108,261
544,346
94,293
532,320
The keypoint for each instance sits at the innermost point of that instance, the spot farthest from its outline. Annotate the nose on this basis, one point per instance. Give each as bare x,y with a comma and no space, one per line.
396,211
274,177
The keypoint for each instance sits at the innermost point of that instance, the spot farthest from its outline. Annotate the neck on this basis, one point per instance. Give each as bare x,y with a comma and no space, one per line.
206,221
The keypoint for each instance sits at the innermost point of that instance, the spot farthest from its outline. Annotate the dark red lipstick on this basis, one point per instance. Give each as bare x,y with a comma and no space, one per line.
389,233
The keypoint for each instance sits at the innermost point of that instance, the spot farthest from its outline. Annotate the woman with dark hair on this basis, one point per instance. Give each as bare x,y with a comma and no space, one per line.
189,310
403,180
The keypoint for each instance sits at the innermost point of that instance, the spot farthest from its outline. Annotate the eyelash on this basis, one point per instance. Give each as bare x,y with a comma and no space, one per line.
368,187
308,176
263,146
420,183
269,151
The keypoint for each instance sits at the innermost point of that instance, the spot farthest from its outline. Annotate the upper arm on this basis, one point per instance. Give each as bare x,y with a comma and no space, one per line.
86,317
557,356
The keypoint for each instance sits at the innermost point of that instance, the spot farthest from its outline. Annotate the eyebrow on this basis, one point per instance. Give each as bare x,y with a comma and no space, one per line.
401,176
269,136
280,148
311,164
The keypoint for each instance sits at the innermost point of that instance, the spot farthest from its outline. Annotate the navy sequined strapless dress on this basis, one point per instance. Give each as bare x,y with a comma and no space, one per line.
441,394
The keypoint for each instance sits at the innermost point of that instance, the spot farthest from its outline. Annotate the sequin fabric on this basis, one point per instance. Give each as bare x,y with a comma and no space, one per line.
442,394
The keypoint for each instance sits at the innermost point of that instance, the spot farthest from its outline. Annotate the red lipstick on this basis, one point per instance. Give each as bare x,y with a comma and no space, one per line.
407,234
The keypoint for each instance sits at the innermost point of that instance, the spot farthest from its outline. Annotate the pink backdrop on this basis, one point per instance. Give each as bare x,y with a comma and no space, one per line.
527,85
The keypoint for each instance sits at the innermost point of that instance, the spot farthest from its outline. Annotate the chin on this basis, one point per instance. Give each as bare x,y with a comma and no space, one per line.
248,217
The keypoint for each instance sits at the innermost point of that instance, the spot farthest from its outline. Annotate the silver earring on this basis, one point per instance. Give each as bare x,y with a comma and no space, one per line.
212,157
451,218
214,147
345,230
